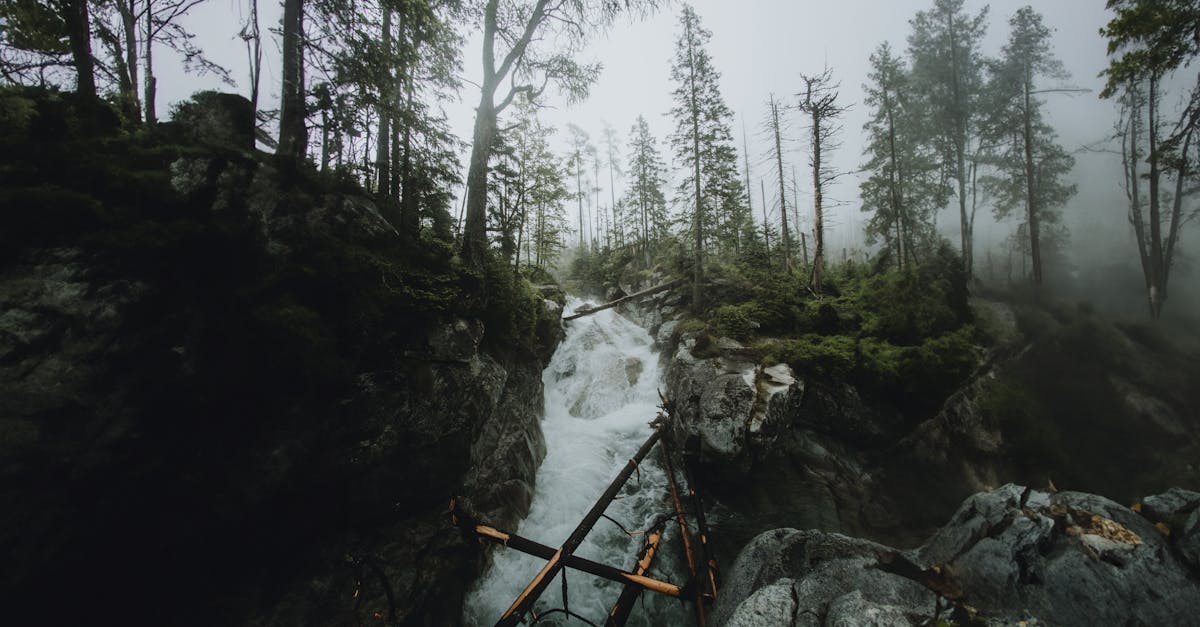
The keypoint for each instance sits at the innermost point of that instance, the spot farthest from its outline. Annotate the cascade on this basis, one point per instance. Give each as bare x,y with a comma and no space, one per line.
601,391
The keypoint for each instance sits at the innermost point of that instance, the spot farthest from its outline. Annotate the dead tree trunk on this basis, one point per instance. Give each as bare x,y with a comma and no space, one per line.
623,299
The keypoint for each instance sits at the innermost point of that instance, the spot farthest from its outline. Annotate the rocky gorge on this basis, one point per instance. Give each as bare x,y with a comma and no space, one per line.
777,450
235,394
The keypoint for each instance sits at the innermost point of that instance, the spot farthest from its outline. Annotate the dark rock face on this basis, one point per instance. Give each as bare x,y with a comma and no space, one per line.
1083,403
258,426
1008,555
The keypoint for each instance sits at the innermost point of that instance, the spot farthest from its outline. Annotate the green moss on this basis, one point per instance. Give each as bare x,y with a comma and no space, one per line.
830,357
739,322
691,325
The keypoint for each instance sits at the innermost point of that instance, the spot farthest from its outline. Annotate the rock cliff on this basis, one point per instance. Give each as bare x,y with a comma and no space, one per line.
234,393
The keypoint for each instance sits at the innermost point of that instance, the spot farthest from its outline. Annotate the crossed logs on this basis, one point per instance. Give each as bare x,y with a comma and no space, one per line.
701,588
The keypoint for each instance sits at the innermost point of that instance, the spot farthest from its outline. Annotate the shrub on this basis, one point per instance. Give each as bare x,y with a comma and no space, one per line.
737,321
831,357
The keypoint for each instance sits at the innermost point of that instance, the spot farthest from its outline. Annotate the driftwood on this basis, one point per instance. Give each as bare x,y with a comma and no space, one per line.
709,587
623,299
621,610
536,549
685,534
516,612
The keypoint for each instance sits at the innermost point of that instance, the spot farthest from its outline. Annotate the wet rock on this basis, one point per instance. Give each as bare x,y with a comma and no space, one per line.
1178,511
786,577
663,337
713,401
1012,554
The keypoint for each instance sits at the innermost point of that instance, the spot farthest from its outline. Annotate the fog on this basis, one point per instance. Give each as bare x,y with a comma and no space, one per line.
760,48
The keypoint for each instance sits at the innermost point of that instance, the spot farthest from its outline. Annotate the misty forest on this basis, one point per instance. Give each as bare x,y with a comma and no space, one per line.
600,312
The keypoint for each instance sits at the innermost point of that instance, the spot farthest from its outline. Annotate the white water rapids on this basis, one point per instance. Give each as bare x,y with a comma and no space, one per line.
601,391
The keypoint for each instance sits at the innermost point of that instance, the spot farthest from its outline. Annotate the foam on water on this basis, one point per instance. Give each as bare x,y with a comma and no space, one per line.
601,391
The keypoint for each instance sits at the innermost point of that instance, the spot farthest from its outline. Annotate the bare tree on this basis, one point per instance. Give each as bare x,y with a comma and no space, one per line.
774,126
819,102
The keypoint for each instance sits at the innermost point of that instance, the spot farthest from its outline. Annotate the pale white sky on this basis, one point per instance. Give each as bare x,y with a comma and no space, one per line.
761,47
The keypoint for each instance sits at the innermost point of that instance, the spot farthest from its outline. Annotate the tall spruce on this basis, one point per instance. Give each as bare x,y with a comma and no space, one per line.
1030,165
903,187
577,159
703,144
645,194
947,72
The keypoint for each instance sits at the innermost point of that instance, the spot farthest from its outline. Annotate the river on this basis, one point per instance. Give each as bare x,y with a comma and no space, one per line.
601,393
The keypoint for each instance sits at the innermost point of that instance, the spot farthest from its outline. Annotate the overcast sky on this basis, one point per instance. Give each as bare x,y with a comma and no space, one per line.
761,47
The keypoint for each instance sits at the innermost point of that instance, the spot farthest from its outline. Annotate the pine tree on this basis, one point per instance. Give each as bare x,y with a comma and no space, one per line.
947,72
903,188
577,158
648,206
612,147
703,144
1030,164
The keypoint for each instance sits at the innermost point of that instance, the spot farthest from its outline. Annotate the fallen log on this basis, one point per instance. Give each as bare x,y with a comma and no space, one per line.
557,560
709,589
686,535
624,605
536,549
623,299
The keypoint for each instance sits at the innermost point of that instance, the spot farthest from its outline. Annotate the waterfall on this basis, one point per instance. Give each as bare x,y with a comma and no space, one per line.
601,391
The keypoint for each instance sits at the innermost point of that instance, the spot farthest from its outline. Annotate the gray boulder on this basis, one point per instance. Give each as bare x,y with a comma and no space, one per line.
1006,556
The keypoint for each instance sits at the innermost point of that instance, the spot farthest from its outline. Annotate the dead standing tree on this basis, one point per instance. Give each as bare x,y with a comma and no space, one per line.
819,101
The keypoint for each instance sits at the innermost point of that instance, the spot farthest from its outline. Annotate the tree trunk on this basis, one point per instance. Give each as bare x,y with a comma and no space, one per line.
1156,250
324,142
1177,218
762,187
787,244
749,191
698,269
645,217
818,266
256,61
1035,250
149,102
79,38
475,229
127,10
410,213
893,183
383,159
1131,157
960,149
293,137
474,234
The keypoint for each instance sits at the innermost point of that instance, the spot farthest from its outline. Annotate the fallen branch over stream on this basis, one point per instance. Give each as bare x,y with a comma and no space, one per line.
610,305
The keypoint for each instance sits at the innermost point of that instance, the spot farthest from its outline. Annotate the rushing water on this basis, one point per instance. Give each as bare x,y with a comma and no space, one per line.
601,391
